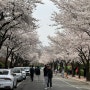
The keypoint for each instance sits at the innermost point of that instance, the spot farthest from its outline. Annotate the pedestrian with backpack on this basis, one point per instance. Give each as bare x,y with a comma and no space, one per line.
45,70
32,73
50,76
37,72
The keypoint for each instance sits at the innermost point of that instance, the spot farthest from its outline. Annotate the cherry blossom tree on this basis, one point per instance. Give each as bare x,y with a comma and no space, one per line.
15,14
74,16
66,46
17,28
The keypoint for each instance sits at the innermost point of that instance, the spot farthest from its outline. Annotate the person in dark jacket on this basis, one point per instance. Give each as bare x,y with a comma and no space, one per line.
45,70
32,73
37,72
50,76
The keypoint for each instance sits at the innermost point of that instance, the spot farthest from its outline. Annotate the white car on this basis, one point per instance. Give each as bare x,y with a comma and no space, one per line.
18,73
7,79
22,72
27,70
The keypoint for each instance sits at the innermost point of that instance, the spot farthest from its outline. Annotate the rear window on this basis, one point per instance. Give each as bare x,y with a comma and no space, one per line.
16,71
27,69
4,72
22,69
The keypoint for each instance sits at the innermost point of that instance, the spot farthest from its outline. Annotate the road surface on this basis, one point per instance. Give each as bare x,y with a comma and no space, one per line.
59,83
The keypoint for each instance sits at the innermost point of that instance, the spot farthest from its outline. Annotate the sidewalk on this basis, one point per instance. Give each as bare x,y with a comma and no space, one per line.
77,78
82,79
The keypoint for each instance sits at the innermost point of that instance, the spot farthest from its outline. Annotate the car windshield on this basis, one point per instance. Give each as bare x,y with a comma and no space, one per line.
4,72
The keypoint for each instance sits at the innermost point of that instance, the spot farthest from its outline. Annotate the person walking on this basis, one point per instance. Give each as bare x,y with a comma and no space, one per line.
32,73
56,71
62,73
37,72
50,76
45,70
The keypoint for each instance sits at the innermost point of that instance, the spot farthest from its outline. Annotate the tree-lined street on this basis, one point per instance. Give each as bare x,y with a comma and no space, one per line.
67,53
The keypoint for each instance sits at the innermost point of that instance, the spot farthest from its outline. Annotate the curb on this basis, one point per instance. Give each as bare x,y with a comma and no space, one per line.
79,80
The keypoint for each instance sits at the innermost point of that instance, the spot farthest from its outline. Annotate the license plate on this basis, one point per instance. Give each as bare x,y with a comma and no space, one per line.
1,79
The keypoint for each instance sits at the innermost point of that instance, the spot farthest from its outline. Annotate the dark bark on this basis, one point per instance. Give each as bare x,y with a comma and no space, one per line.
7,25
73,69
10,21
6,62
66,65
7,56
88,71
5,36
79,73
66,70
1,16
16,60
12,60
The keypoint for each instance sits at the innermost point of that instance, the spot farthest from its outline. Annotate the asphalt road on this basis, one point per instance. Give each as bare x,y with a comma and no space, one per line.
59,83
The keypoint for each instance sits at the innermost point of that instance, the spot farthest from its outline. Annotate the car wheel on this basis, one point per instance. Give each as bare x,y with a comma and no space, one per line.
16,85
25,78
12,87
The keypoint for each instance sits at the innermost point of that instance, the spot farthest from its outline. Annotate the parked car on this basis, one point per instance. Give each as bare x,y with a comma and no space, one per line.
22,72
27,70
42,68
8,80
18,73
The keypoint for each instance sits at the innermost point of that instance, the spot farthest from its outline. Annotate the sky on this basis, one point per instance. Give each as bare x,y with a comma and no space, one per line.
43,13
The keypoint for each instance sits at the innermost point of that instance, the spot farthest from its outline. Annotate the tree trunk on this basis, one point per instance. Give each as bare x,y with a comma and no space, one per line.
73,69
79,73
7,56
11,66
88,71
6,62
66,68
16,61
1,45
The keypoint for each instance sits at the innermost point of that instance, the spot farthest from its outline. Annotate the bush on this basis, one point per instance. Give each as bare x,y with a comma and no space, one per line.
1,65
82,72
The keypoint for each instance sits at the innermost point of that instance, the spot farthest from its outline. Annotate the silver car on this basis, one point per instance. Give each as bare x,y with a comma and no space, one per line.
7,79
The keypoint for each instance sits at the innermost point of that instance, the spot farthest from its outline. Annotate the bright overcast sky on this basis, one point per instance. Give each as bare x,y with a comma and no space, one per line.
43,13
